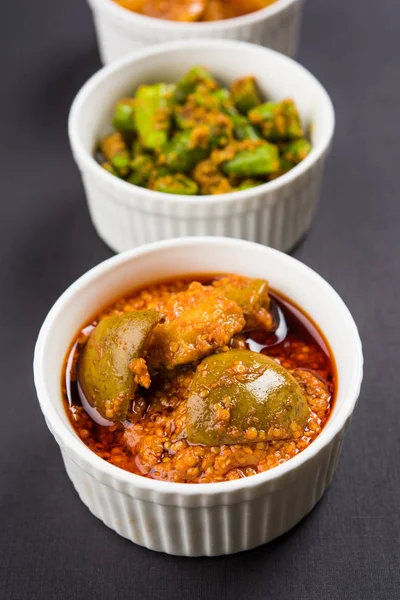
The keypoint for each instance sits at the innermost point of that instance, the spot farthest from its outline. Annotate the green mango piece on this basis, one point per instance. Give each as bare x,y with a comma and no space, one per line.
250,294
244,397
252,297
198,321
103,370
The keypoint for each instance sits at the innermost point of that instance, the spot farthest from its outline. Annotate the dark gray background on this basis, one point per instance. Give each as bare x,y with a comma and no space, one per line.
50,545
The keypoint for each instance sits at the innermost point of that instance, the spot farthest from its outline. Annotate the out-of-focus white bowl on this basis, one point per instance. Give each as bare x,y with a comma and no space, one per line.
120,31
211,518
277,213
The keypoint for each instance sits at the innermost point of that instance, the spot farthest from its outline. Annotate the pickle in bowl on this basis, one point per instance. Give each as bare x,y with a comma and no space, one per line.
197,137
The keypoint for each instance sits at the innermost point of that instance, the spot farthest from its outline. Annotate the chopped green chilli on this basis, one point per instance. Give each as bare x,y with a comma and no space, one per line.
197,137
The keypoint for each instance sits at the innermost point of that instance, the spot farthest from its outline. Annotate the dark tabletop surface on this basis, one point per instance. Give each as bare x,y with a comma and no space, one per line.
50,545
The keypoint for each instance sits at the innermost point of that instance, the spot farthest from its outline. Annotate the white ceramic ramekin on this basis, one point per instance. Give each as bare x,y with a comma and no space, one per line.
277,213
199,519
120,31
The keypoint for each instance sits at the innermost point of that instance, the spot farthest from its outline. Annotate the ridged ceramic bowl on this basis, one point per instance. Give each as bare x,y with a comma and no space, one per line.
120,31
277,213
209,518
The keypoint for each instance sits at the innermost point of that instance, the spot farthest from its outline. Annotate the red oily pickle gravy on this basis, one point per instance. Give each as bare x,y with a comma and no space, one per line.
148,448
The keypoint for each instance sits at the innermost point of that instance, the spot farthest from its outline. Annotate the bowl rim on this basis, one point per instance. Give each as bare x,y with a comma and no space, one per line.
137,20
86,160
167,488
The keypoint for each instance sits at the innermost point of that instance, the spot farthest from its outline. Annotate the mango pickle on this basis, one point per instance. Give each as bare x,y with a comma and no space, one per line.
199,381
104,376
198,321
188,11
252,297
242,396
